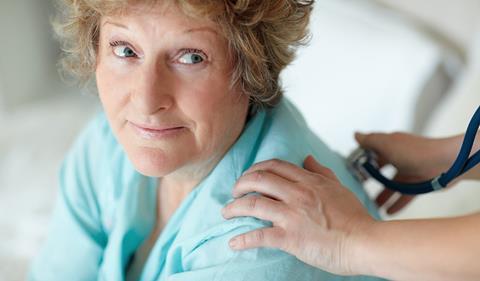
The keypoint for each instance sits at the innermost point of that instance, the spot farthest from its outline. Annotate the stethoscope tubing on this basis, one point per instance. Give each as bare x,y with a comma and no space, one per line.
463,163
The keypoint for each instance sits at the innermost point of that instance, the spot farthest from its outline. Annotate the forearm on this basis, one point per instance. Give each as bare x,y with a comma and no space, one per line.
434,249
474,173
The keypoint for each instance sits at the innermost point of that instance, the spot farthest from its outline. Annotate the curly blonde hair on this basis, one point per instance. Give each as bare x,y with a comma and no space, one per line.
262,35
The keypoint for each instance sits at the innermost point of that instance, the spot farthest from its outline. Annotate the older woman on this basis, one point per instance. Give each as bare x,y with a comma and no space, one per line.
191,99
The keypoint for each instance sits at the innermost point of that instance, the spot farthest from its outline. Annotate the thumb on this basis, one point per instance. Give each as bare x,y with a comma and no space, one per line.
313,166
361,138
377,142
374,141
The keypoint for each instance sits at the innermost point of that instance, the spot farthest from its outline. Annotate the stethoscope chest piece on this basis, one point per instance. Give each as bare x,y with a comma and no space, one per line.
363,164
356,161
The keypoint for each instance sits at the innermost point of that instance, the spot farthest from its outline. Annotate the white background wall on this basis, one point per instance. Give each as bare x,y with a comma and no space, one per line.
28,60
457,20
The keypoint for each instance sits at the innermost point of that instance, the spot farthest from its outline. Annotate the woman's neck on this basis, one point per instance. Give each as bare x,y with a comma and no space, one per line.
175,187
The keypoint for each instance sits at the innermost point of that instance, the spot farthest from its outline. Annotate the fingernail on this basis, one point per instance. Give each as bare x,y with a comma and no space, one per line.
359,136
250,169
225,210
233,243
313,158
246,171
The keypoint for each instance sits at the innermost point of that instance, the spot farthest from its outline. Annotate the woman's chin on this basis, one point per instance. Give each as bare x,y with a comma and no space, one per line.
153,163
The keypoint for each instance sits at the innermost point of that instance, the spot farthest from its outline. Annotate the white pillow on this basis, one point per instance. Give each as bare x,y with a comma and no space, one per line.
363,70
452,117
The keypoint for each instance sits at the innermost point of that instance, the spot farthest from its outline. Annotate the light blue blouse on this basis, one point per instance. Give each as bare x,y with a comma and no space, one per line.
106,209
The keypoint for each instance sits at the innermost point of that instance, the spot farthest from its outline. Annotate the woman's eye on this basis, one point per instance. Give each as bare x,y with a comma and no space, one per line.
191,58
124,51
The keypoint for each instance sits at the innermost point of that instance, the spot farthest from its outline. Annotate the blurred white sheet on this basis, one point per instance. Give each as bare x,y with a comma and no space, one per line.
32,146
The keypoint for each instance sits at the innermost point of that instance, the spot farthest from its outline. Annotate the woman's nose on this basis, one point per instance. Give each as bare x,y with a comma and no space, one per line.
153,91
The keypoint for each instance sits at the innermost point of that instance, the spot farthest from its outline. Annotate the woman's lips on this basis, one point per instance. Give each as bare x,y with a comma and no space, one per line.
152,132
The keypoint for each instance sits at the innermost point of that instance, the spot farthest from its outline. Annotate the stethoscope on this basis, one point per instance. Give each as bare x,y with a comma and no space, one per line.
363,164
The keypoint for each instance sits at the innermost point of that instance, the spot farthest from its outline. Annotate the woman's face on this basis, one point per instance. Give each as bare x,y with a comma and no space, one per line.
164,82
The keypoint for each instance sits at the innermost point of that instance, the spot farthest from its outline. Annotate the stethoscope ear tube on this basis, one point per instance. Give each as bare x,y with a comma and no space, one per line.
463,163
363,161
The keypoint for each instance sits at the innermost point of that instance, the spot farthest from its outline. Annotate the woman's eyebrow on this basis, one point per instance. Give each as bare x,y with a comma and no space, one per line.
116,24
205,28
191,30
188,31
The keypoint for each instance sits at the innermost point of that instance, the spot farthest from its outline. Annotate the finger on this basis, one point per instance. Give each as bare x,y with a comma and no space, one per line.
313,166
376,142
272,237
256,206
266,183
372,141
383,197
282,168
403,201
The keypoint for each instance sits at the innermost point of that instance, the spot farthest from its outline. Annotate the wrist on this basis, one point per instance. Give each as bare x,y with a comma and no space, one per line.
450,148
359,249
474,173
445,153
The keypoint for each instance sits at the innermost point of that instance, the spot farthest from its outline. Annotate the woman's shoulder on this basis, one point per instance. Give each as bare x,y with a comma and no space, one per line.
294,141
286,135
207,256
